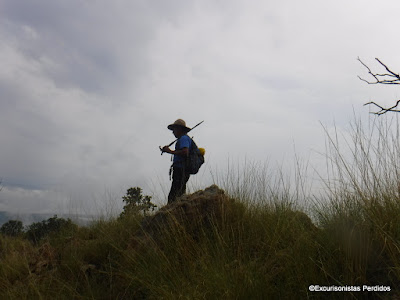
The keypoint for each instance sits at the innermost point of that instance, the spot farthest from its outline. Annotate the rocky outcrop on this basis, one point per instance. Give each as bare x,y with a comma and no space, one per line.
189,211
196,214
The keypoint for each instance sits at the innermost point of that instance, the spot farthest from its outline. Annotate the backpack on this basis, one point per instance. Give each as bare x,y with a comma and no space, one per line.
194,160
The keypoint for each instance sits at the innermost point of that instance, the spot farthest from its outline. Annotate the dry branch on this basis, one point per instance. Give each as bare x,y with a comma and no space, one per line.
384,110
382,78
385,78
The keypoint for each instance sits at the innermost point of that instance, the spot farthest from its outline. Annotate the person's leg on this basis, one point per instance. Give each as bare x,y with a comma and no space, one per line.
176,184
178,187
181,188
185,178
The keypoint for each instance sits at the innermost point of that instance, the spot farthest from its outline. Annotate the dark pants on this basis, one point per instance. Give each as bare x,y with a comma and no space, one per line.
179,179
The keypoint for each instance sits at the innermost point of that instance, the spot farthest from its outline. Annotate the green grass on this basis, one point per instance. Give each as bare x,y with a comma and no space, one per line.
262,246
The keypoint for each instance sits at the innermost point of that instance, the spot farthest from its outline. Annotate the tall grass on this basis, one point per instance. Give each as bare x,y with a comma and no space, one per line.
262,245
360,211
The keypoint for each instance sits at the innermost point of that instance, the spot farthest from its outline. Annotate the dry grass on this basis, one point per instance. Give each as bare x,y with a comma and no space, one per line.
261,246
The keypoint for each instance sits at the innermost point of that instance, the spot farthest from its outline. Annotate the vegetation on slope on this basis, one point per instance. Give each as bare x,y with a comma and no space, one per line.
229,245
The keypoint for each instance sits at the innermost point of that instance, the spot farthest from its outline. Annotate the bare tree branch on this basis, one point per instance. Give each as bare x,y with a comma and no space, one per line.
382,78
387,69
384,110
385,78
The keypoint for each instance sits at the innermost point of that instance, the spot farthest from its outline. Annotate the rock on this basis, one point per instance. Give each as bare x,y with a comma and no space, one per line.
192,212
198,214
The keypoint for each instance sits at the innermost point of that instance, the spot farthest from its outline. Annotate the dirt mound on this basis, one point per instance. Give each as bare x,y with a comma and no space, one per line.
201,213
200,209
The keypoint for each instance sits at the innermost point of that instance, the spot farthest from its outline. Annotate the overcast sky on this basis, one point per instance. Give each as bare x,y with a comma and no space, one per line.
87,88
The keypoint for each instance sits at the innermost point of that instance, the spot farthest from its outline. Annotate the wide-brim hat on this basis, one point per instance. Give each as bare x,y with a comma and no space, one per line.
179,123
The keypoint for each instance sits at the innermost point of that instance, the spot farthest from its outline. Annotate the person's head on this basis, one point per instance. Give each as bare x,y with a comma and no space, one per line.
178,128
178,131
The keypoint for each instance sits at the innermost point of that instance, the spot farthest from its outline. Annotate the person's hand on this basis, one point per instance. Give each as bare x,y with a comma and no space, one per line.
166,149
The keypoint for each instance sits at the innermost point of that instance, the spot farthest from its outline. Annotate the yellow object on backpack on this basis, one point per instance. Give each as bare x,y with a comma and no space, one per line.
202,151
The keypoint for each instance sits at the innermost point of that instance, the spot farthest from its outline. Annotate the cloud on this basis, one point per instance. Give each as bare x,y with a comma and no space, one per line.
89,45
88,87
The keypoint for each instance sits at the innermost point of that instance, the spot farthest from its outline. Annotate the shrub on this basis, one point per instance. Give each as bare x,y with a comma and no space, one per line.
135,202
37,231
12,228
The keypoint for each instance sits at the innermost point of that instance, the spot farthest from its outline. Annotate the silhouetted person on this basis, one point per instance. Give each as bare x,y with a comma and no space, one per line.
180,176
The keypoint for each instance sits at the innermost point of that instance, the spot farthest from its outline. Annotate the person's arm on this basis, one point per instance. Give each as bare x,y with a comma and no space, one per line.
181,152
184,143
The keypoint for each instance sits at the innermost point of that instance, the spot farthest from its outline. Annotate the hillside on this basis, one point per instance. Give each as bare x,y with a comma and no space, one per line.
208,246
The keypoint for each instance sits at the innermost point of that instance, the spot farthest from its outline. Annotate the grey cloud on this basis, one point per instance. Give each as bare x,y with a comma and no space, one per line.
88,87
90,46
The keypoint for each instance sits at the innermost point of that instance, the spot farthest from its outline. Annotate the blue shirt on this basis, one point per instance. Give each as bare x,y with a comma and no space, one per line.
183,142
